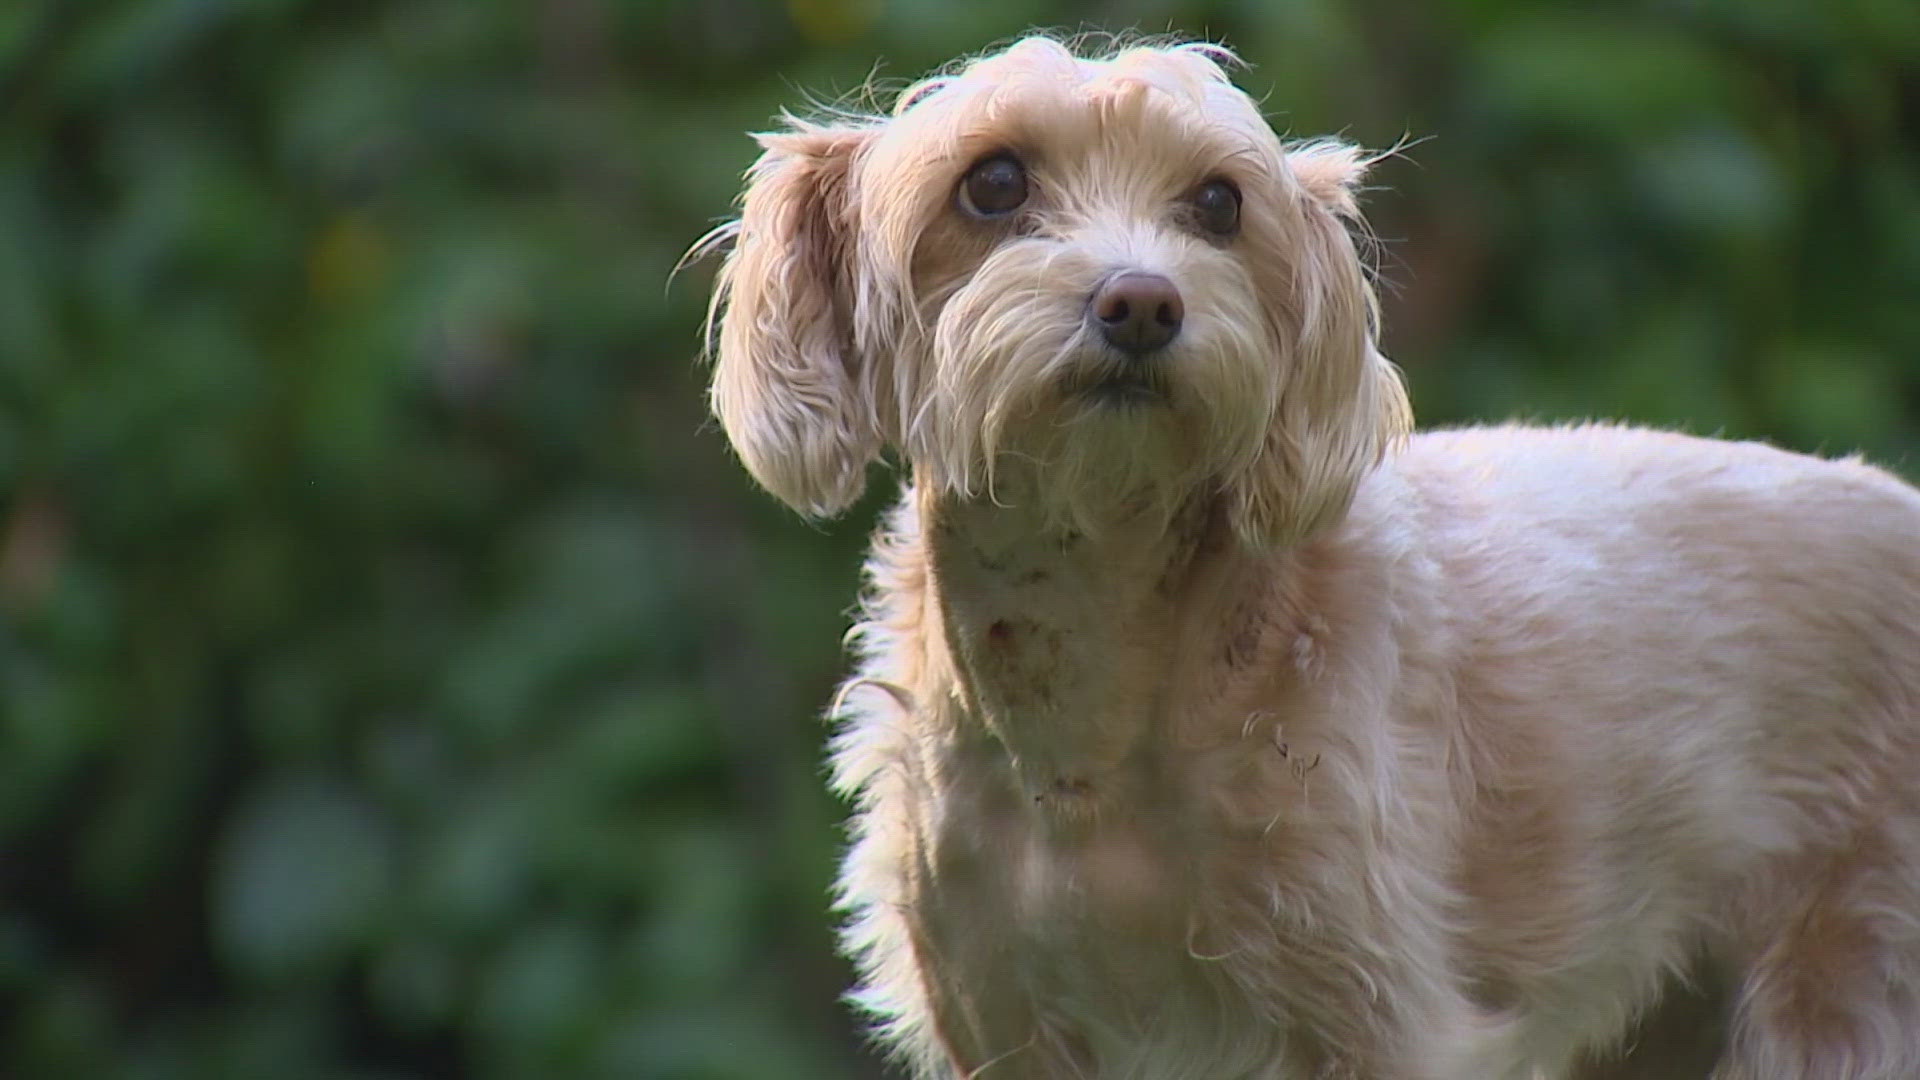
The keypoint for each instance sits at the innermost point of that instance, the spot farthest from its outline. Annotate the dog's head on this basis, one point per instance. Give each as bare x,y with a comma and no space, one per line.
1108,275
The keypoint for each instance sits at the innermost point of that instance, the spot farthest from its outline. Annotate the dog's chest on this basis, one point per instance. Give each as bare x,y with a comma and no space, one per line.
1092,885
1101,829
1115,921
1102,849
1104,827
1066,645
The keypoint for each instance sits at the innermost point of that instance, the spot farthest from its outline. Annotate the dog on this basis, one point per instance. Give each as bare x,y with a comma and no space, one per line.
1208,724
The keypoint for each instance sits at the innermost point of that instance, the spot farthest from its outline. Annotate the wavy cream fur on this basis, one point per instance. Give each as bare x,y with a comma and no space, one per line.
1234,736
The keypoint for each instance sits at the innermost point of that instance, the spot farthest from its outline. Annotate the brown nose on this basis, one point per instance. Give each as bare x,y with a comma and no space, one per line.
1138,313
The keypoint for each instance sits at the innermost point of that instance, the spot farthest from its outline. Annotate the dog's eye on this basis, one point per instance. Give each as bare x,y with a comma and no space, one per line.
994,187
1216,207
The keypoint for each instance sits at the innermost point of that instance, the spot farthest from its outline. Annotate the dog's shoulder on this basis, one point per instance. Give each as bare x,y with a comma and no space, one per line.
1604,467
1541,510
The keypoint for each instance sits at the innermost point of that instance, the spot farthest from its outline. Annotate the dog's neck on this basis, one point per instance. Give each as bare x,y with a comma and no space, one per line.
1066,644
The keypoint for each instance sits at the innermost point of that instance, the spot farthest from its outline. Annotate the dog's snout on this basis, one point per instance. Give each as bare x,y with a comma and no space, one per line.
1138,313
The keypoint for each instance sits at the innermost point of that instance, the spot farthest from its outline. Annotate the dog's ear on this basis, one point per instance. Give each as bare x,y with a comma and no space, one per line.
1342,404
787,385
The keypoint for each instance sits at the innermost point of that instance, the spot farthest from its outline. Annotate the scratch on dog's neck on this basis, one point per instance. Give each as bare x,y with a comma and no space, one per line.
1066,642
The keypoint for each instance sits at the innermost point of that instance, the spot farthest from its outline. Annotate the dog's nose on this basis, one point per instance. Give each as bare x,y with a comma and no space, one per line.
1138,313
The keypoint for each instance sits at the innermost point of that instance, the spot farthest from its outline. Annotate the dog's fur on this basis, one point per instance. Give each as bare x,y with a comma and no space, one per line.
1231,734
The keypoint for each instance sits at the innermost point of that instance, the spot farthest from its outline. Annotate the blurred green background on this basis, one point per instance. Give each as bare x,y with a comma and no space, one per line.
400,681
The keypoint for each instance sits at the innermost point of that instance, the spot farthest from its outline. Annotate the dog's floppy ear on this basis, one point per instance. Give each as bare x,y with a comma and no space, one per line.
1342,403
786,385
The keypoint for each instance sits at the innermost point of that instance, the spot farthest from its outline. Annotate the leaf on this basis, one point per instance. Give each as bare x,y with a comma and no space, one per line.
301,879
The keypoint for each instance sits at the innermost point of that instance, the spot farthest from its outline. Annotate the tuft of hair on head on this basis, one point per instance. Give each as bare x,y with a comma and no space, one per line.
1065,49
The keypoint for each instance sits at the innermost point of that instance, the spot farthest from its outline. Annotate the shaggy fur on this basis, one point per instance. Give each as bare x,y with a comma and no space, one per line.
1220,731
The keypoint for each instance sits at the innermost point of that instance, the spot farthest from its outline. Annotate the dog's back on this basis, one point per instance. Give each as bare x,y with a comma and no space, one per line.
1689,681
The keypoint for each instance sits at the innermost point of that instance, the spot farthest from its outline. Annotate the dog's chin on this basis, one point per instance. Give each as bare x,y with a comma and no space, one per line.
1116,445
1110,382
1126,392
1092,438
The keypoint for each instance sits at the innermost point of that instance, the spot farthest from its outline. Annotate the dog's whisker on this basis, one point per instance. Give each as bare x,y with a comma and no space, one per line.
1209,958
901,695
976,1073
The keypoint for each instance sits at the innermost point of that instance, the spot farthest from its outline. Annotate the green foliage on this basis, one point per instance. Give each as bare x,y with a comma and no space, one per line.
399,680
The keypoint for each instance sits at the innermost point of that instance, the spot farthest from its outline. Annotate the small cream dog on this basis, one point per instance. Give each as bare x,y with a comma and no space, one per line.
1208,727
